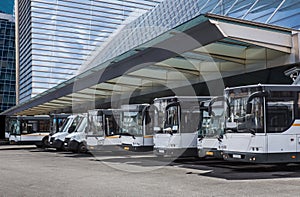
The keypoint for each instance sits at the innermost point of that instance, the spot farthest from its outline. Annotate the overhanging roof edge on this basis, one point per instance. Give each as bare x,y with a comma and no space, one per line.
202,34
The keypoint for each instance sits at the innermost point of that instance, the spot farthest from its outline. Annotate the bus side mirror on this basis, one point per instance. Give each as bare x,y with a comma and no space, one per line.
209,110
249,108
258,94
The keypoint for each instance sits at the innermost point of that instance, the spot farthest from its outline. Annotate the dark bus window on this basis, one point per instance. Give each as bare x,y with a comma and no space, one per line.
280,111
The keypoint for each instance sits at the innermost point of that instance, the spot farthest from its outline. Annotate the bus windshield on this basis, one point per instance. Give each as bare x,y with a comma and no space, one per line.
183,118
159,114
71,124
66,124
238,120
82,125
57,124
131,123
213,124
95,124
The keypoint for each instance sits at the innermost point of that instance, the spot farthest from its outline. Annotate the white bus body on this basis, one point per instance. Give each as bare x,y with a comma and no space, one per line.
177,128
103,130
56,123
262,124
76,141
28,129
57,139
136,130
211,132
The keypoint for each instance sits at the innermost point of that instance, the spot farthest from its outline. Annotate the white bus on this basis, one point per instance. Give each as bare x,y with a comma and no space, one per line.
57,140
136,128
28,129
212,129
56,124
76,141
179,119
262,124
103,130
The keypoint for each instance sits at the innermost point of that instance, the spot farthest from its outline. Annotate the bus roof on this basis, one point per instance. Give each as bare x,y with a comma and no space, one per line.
274,87
184,98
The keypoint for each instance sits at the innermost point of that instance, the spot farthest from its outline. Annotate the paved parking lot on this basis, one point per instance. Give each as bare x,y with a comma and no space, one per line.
28,171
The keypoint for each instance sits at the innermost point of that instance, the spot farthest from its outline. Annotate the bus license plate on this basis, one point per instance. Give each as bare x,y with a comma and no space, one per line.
236,156
161,151
209,153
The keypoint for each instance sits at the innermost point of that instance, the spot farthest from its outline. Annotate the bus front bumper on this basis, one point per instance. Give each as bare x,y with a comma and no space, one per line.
130,147
288,157
175,152
210,152
56,143
92,148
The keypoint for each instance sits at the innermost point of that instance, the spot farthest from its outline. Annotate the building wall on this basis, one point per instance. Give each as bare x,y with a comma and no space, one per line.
7,62
56,36
7,6
23,31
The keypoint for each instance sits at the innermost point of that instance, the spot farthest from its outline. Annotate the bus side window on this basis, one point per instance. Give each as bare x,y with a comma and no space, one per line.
24,128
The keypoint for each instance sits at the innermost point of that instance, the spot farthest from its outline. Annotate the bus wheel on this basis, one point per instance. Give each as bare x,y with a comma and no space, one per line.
45,143
62,148
82,148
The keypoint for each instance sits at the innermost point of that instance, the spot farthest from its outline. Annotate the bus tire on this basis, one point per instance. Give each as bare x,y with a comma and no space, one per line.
82,148
62,148
45,143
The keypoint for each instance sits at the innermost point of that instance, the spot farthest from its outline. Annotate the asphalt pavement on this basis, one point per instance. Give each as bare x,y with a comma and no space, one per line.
27,171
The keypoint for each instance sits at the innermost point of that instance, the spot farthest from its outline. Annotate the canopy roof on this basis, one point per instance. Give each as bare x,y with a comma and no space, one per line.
208,47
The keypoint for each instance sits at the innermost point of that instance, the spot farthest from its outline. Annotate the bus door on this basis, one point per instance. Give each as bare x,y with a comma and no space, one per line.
28,127
190,120
280,116
172,124
112,121
15,133
148,117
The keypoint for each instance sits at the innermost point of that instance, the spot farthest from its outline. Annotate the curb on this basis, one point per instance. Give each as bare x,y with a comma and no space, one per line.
16,147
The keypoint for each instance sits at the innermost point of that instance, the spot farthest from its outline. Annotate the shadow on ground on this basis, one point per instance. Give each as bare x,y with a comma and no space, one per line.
206,167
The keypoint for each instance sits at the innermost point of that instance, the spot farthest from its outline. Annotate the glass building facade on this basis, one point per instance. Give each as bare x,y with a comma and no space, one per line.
171,13
56,36
7,62
59,39
7,6
55,42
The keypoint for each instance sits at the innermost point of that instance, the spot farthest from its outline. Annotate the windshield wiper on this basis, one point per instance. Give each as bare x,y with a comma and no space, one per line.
168,130
200,137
